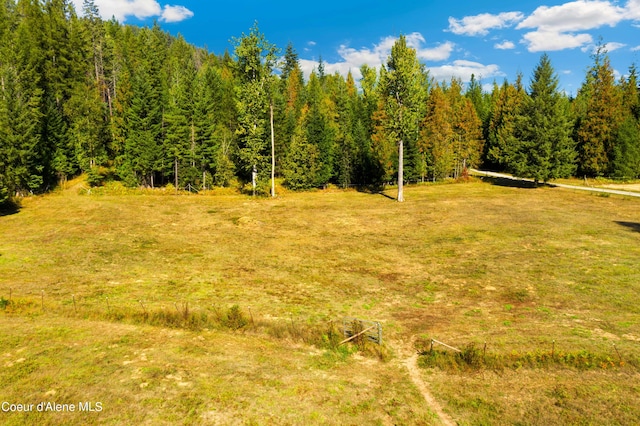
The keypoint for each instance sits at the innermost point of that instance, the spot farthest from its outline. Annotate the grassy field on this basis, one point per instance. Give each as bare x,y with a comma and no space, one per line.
123,299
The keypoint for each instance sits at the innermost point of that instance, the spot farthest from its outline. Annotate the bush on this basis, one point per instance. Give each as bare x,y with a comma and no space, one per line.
235,319
4,303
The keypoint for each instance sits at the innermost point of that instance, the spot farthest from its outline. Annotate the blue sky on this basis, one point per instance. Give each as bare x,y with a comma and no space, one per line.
493,40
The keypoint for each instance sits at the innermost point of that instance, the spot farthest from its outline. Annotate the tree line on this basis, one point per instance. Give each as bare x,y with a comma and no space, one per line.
82,95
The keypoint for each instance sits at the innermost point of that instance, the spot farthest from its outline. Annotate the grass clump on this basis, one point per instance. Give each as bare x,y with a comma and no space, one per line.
472,358
4,303
235,319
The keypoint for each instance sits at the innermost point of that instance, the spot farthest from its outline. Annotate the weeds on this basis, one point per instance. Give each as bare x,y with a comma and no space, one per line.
4,303
472,358
321,335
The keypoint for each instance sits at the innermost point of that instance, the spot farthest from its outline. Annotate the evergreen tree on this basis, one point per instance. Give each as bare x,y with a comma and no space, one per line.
302,163
602,114
144,114
625,159
320,128
507,102
255,60
180,144
404,96
437,134
481,102
543,148
25,154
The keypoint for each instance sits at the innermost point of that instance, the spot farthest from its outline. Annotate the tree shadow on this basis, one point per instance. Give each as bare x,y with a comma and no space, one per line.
510,183
374,189
8,208
386,195
634,226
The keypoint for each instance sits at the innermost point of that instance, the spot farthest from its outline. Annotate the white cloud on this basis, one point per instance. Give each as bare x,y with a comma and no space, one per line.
574,16
463,69
635,49
352,59
559,27
633,9
441,52
608,47
141,9
481,24
505,45
546,41
175,14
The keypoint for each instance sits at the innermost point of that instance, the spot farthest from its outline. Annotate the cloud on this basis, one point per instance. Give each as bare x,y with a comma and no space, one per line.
441,52
141,9
547,41
479,25
560,27
351,59
608,47
579,15
175,14
633,9
505,45
463,69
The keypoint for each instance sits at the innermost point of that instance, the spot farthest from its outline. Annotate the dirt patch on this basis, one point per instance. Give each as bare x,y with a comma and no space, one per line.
624,187
410,360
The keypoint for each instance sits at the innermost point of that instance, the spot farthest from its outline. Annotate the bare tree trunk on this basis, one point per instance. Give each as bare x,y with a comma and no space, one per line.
175,165
273,157
193,144
400,172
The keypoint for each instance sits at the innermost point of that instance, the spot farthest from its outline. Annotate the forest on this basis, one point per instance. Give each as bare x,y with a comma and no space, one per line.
118,102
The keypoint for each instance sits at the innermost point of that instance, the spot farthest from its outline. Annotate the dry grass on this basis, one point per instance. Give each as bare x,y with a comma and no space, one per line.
470,263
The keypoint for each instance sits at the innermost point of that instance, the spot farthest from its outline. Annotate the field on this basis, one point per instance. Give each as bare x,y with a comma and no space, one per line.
222,309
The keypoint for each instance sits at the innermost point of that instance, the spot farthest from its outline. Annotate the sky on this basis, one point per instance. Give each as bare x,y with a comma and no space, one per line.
494,40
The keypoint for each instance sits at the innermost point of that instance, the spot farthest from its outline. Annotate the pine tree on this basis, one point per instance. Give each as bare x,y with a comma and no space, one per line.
302,163
479,99
625,159
543,148
179,144
507,102
403,91
437,134
320,128
25,154
255,60
144,118
602,115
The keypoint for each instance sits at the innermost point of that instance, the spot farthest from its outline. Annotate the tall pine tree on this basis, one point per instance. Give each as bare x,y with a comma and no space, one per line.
543,148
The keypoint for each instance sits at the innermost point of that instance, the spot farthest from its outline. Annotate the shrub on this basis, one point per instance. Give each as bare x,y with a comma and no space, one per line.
235,319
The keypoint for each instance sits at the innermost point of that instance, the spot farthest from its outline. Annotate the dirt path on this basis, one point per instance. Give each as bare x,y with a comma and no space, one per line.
410,361
558,185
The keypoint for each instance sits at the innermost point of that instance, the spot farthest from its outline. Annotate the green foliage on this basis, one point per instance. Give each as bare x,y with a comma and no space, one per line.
625,159
542,146
79,93
235,319
598,122
404,91
301,170
4,303
507,101
451,137
472,358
